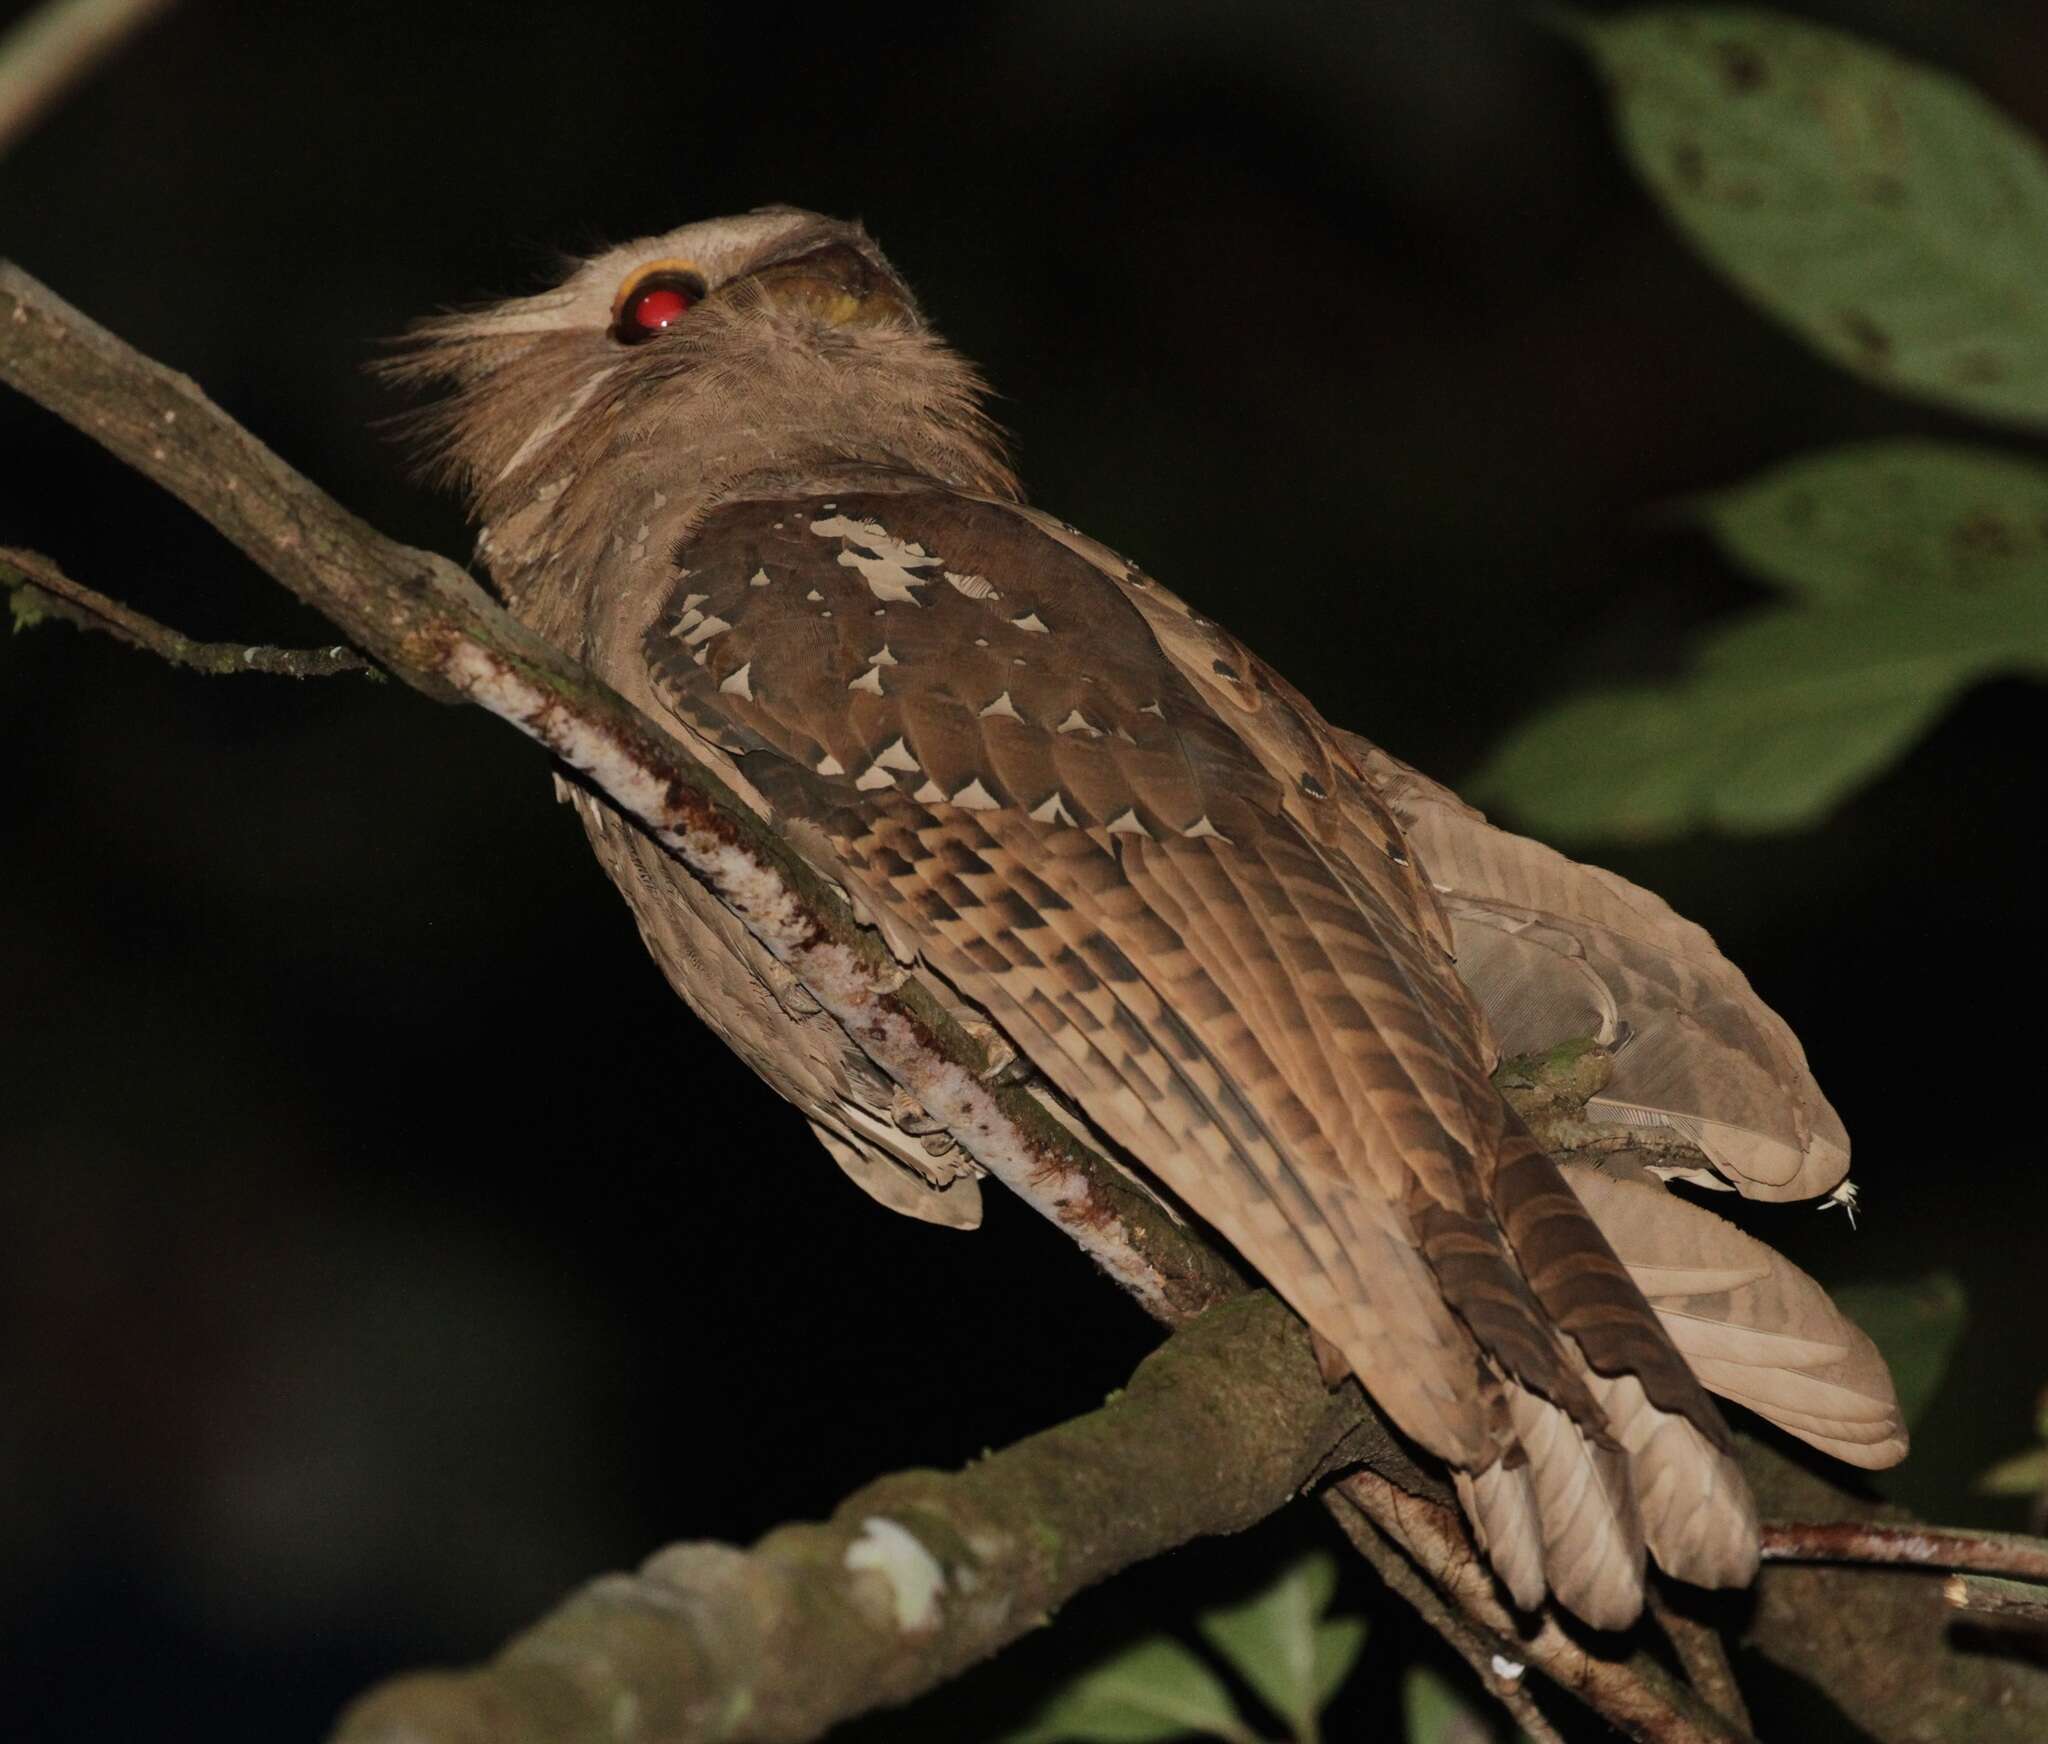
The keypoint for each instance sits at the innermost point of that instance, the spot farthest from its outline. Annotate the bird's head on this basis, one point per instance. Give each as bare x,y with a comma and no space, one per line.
771,341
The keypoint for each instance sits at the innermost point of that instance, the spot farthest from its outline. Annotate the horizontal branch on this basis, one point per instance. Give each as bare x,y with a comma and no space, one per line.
1877,1643
1909,1545
914,1578
38,589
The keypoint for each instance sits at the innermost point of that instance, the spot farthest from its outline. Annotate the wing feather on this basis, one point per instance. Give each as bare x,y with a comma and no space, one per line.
1755,1328
1081,812
1553,949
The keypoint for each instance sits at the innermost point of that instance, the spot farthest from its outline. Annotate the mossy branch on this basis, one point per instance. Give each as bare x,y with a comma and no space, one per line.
914,1578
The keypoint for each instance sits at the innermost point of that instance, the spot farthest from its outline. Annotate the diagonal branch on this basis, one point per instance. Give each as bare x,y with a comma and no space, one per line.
427,622
431,625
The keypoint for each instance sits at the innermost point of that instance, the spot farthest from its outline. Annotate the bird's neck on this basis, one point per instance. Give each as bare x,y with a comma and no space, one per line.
584,519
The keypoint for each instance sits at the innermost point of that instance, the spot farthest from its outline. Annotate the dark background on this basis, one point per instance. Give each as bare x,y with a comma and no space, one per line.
382,1248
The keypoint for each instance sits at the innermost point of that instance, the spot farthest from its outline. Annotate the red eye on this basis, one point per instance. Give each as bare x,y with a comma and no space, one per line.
653,300
658,307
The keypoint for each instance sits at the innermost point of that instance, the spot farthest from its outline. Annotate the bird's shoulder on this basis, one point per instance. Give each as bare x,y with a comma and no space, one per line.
965,651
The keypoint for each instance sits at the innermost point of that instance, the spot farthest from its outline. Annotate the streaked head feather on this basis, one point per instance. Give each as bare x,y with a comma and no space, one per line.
540,390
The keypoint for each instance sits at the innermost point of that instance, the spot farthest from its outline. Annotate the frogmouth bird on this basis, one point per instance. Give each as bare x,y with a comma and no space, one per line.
734,471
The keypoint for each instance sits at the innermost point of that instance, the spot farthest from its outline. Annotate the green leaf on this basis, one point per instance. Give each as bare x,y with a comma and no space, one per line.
1339,1642
1278,1640
1434,1712
2025,1474
1918,569
1766,747
1880,208
1270,1637
1156,1689
1916,1325
1873,517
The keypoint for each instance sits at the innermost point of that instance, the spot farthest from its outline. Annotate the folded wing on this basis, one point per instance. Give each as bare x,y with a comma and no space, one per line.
1553,949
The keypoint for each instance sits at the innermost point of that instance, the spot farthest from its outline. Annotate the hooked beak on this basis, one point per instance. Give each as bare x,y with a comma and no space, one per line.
835,285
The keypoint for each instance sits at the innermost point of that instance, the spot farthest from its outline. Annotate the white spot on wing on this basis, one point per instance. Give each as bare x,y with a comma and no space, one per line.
814,595
1152,708
896,755
1052,809
973,586
1032,623
830,765
976,797
869,681
884,658
738,684
691,616
1203,827
1076,722
931,793
888,570
1126,823
711,626
758,579
1002,706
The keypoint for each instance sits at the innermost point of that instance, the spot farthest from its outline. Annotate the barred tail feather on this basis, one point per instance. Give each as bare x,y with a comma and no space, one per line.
1587,1509
1696,1512
1500,1502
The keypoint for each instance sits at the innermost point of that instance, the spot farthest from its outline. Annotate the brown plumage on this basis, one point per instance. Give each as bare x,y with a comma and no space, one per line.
751,489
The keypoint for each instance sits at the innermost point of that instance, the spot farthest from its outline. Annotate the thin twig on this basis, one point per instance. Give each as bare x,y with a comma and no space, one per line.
54,47
39,589
2009,1604
1702,1653
1500,1673
1907,1545
1633,1694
